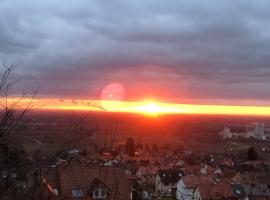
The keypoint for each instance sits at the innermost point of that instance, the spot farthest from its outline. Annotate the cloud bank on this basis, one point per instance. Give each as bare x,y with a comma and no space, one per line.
179,51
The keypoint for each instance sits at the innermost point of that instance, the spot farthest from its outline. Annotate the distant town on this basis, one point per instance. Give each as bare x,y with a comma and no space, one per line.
250,131
103,164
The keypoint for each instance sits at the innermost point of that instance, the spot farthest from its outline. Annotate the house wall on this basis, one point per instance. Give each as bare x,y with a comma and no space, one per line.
150,179
182,193
161,188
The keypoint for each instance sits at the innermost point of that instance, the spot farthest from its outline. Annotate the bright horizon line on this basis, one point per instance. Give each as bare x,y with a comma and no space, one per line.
149,107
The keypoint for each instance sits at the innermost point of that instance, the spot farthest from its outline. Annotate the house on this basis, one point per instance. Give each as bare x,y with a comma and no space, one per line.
204,170
76,181
203,187
257,191
184,192
166,180
256,184
239,192
252,177
259,165
147,175
187,187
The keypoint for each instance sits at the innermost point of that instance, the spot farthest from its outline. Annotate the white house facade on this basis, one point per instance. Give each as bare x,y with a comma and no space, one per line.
187,193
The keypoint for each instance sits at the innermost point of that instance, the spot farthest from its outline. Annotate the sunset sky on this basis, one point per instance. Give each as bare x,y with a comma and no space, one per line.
184,52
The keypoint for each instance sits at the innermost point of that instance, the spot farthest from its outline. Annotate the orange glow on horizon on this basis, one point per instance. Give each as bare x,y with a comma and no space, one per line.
144,107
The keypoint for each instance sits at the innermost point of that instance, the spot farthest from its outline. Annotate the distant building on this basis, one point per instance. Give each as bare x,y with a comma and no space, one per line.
226,133
254,131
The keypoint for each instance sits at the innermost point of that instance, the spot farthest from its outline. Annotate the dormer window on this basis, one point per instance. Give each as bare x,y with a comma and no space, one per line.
238,192
55,192
102,193
99,193
76,193
96,193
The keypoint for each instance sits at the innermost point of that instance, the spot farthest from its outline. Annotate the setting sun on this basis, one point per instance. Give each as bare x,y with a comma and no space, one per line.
151,108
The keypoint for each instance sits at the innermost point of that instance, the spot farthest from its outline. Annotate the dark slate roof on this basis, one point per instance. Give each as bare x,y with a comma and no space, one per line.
243,168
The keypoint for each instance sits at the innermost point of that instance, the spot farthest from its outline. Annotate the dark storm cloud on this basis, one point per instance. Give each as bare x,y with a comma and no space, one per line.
197,49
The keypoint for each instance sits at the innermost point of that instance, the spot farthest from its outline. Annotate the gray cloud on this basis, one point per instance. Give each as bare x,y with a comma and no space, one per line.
192,50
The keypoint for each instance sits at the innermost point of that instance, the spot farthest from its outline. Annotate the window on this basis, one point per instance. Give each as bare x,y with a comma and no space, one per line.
96,193
4,174
55,191
76,193
102,193
13,175
238,192
99,193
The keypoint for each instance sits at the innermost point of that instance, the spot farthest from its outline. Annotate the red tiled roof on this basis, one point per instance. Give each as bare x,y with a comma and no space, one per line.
219,191
149,170
138,158
77,176
192,181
